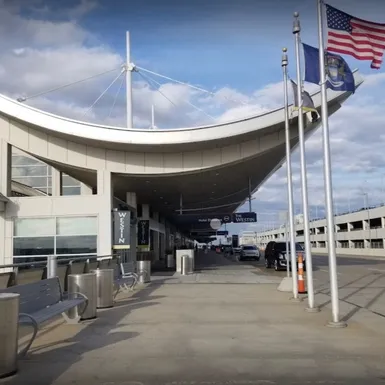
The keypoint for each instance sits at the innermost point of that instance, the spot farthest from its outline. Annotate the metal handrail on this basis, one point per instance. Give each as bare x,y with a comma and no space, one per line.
59,260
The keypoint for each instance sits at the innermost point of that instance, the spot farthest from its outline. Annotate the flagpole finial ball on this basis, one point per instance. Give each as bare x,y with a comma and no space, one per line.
284,49
296,14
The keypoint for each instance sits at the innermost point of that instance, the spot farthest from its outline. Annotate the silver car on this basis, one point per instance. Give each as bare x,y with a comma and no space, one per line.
249,252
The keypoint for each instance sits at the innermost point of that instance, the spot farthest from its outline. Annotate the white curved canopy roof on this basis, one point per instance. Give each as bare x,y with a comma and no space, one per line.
145,137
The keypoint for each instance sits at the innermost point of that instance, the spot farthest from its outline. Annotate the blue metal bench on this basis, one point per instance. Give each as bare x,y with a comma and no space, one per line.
124,272
43,300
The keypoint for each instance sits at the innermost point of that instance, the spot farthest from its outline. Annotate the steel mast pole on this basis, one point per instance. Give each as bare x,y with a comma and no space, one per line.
250,208
306,227
129,69
293,256
152,116
328,179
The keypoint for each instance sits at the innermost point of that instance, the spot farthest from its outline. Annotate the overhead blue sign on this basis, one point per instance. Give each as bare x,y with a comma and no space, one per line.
224,218
210,233
244,217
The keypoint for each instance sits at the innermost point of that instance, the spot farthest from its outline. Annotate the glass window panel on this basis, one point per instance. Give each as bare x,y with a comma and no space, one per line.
36,170
83,244
76,225
33,227
69,181
49,171
71,190
25,160
33,246
34,181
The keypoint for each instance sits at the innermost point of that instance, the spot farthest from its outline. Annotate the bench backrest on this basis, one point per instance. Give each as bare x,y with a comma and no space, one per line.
127,267
37,295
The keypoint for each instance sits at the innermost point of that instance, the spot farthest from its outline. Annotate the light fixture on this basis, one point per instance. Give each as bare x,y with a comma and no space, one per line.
215,184
160,197
216,174
154,190
147,181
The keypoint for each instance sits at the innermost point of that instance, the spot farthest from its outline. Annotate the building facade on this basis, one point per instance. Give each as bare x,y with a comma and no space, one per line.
61,180
248,238
358,233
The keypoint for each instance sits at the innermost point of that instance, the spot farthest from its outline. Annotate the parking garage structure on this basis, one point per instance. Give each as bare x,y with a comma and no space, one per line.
359,233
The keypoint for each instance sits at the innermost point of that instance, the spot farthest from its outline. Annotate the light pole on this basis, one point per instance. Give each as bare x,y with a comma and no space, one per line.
349,207
366,203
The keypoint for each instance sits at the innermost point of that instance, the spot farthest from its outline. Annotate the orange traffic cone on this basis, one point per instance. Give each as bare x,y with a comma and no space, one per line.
301,278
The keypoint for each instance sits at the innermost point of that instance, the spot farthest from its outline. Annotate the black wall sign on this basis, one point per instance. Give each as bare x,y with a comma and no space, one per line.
122,223
144,233
244,217
235,240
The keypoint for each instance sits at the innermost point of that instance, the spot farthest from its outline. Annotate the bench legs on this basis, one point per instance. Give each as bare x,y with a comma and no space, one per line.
122,285
70,320
35,326
76,319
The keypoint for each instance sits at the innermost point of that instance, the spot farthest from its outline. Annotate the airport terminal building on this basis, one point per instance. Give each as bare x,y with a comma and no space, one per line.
65,185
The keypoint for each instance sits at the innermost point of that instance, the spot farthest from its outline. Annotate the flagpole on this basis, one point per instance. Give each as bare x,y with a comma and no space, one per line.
308,257
328,178
293,255
128,82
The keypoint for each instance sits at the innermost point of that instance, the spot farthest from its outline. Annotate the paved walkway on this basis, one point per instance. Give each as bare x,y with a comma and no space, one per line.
215,268
191,334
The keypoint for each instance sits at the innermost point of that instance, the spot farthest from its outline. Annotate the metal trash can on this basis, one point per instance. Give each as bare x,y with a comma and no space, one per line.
104,287
185,265
144,271
85,284
170,260
9,330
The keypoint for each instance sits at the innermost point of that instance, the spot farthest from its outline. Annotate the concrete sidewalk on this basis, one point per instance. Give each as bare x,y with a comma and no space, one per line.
192,334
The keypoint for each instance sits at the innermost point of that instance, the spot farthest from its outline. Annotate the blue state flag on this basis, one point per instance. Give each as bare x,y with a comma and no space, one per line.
338,74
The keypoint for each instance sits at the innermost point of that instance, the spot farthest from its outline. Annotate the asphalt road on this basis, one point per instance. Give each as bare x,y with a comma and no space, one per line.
361,281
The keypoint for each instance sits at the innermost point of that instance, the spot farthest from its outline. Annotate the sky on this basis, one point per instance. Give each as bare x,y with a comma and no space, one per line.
231,49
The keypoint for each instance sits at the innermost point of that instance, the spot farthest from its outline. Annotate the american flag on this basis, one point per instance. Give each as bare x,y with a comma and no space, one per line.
359,38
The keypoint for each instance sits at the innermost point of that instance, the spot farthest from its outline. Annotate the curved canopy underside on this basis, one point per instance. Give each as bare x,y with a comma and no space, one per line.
144,137
220,187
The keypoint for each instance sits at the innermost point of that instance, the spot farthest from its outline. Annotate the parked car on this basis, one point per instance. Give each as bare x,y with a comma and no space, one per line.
276,255
228,249
237,250
249,252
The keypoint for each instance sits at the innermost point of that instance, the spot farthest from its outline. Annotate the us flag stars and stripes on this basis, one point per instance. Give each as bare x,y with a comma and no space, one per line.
364,40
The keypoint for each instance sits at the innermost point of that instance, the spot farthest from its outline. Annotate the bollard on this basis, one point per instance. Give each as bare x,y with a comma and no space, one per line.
170,260
51,266
144,271
185,265
301,280
9,326
104,287
85,284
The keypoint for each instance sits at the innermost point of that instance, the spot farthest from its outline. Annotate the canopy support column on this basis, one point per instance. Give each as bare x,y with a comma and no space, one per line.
250,208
